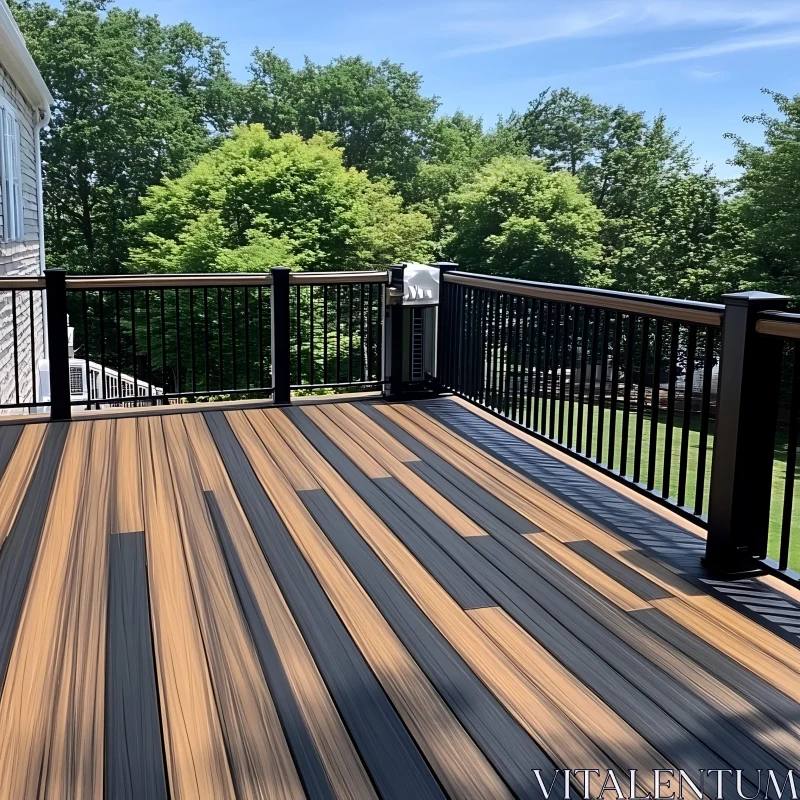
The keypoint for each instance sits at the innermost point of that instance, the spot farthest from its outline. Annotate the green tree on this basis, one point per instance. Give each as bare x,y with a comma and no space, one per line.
135,101
256,202
769,203
376,110
517,218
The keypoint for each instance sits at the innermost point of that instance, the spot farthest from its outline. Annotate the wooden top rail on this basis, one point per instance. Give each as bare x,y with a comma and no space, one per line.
683,310
22,282
316,278
213,279
779,323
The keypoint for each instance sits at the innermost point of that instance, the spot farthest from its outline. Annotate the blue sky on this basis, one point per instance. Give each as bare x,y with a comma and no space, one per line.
703,63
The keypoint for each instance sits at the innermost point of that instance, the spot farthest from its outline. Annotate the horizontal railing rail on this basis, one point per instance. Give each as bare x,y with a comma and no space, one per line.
625,382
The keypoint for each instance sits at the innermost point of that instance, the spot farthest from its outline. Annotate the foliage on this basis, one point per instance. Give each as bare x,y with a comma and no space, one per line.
516,218
135,101
376,110
256,202
769,205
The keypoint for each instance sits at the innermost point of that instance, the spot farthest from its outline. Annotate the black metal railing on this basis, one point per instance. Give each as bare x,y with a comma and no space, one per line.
624,381
336,325
148,339
22,342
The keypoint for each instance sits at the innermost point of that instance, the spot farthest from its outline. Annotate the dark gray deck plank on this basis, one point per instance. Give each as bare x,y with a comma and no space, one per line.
134,755
310,768
9,436
18,552
372,721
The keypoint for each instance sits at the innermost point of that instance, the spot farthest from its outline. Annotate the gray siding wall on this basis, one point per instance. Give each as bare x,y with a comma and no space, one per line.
20,258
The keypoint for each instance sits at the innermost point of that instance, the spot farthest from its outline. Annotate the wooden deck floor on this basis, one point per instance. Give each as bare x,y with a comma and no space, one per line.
346,600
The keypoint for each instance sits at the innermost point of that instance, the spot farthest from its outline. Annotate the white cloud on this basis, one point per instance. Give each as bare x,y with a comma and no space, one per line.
704,75
485,26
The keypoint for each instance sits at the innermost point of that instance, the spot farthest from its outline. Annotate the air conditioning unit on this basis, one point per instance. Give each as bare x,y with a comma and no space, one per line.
78,382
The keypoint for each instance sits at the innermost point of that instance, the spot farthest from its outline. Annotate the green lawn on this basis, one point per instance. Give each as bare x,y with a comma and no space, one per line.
692,460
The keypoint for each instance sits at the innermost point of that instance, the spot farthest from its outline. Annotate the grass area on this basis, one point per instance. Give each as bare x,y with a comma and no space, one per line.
692,459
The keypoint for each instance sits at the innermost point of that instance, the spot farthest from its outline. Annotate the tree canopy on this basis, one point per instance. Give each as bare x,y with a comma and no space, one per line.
135,101
257,202
516,218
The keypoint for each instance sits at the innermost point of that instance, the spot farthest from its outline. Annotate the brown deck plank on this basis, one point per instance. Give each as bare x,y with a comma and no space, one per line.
18,473
327,759
454,757
194,745
260,761
696,717
27,725
557,734
128,514
371,720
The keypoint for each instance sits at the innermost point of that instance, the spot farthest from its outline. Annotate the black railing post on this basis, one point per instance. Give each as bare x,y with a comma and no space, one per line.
281,344
58,343
394,328
443,320
747,410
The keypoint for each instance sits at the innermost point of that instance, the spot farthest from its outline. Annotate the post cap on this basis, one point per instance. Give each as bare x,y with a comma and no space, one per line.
755,298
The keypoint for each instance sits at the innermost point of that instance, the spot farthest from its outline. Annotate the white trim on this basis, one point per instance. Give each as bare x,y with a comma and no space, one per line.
17,62
10,173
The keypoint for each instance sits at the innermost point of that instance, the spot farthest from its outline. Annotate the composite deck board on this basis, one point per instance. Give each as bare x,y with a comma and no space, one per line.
452,754
327,760
558,736
134,754
716,734
28,728
259,758
371,720
194,745
346,600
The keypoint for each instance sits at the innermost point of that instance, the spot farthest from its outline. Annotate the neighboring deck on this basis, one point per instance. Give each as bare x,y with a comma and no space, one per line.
359,600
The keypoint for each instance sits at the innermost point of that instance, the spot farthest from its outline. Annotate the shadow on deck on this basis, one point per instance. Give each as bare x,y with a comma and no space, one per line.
360,599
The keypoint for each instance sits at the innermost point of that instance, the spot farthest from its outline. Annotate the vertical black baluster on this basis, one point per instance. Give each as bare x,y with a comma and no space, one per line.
219,341
551,364
475,333
640,401
562,392
350,333
311,365
463,293
33,345
135,354
117,294
601,397
86,349
338,333
654,405
626,400
523,361
325,332
673,366
369,371
247,337
234,325
261,358
512,338
178,375
361,360
534,305
298,325
791,461
467,342
705,413
614,393
102,344
15,337
516,322
592,382
541,364
490,349
582,392
206,348
504,300
148,326
163,345
573,363
688,380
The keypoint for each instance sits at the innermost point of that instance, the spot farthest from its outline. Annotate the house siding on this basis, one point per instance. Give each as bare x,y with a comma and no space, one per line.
21,258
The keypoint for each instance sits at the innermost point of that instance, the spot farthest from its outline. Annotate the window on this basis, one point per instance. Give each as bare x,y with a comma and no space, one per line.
10,175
